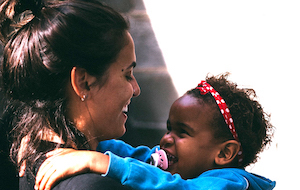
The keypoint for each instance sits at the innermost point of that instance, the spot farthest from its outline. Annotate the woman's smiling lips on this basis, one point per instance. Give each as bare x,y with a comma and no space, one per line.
125,109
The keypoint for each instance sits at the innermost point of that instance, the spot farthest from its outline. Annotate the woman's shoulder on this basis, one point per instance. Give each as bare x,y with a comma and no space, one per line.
28,180
89,181
79,182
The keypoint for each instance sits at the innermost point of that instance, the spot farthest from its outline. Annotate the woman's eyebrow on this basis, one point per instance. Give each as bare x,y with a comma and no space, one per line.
132,65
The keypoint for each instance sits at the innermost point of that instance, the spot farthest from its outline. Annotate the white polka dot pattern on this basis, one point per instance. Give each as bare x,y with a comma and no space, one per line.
204,88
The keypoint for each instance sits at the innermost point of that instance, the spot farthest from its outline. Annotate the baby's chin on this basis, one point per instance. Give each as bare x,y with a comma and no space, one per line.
173,171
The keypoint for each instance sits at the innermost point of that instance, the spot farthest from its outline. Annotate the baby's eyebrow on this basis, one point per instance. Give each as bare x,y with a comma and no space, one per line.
186,127
182,125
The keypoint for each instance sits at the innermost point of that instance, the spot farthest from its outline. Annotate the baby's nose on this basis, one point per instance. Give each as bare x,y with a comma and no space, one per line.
167,140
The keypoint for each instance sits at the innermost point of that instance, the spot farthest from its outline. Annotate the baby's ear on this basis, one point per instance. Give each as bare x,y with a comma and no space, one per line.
228,152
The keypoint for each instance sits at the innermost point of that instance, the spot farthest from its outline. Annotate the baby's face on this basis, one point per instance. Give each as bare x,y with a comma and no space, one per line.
189,142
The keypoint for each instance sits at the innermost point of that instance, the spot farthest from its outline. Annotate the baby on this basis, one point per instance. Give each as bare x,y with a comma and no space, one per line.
213,132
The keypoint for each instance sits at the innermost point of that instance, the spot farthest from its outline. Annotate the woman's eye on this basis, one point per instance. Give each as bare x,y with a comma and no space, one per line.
129,78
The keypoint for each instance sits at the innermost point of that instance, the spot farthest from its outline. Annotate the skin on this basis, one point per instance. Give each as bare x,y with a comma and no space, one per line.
101,115
189,139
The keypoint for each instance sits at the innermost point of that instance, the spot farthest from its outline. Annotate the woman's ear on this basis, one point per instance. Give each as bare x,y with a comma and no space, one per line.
228,152
81,81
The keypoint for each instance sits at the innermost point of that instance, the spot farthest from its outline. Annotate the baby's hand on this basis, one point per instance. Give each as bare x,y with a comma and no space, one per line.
62,163
23,147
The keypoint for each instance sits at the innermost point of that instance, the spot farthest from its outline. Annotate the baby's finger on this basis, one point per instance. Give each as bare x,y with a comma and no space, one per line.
44,169
46,164
52,180
54,152
42,184
23,147
22,169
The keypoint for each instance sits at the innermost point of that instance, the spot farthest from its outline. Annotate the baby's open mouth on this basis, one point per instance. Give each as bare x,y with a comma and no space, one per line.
171,159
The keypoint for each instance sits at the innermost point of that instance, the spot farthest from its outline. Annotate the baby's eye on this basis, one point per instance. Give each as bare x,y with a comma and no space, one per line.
182,133
169,128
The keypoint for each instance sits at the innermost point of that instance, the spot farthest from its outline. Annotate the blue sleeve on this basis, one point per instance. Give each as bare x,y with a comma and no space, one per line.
122,149
140,175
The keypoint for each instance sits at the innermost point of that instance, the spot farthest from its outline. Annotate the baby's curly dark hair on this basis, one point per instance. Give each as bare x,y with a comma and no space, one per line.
252,124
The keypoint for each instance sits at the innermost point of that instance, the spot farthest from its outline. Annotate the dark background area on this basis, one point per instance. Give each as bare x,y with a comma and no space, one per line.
148,113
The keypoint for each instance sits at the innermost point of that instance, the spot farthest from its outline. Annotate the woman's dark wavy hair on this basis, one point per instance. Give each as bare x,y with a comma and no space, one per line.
43,41
251,122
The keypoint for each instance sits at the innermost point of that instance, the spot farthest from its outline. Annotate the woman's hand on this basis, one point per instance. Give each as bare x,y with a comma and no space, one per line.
63,163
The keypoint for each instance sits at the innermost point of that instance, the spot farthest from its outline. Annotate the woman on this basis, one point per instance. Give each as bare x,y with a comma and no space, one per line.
68,75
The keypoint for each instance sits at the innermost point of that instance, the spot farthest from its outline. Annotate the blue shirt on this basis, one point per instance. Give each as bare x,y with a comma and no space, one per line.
128,165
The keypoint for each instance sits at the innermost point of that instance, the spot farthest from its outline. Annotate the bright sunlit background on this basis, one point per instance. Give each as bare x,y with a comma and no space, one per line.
258,42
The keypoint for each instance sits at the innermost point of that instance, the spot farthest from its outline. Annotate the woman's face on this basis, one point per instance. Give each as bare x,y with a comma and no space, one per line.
107,105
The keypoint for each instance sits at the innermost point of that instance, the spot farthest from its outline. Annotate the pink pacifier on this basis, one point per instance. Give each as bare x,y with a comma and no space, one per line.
159,159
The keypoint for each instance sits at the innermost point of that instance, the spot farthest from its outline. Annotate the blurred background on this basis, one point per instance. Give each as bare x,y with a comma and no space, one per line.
179,42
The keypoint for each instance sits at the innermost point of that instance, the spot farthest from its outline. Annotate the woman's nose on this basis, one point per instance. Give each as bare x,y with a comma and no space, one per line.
167,140
136,88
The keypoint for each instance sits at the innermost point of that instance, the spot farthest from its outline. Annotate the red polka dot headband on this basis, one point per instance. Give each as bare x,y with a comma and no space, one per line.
204,88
